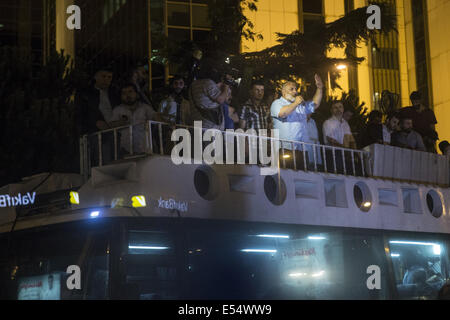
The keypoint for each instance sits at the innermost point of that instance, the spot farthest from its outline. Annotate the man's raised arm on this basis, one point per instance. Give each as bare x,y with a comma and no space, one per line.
319,92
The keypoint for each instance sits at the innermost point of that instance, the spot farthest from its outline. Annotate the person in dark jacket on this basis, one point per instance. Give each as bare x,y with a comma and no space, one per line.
94,106
96,102
374,130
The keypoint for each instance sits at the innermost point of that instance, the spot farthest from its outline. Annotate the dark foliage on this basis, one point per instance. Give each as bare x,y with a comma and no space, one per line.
37,125
301,55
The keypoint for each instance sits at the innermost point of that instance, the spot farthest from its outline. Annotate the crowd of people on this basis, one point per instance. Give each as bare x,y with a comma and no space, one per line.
209,98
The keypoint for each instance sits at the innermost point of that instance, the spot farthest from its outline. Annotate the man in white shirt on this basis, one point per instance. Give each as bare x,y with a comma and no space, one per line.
336,131
135,113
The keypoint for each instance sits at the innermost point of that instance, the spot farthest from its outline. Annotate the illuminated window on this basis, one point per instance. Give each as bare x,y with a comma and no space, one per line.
311,14
187,20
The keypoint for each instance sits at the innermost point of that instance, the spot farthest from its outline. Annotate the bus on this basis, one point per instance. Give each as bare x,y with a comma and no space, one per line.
143,228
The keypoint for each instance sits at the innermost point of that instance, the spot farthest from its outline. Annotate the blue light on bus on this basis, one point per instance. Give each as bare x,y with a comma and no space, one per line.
277,236
304,274
316,238
259,250
395,255
95,214
147,248
297,274
318,274
436,247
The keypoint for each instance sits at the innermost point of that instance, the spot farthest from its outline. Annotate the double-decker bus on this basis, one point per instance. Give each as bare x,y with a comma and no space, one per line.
143,228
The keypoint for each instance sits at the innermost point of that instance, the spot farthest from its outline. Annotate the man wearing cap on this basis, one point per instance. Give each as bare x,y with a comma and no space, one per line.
424,121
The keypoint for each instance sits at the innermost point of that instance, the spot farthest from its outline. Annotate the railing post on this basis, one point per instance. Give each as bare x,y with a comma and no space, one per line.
353,163
304,157
362,164
115,146
343,162
324,153
100,150
150,123
83,157
161,143
315,158
334,160
131,140
294,157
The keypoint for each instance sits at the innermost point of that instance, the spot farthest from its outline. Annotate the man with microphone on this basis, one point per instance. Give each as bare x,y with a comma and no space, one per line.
290,118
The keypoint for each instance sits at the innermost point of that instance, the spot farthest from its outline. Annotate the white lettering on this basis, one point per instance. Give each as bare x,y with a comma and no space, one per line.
374,21
74,21
31,198
184,147
172,204
17,201
74,280
2,201
198,142
374,281
213,153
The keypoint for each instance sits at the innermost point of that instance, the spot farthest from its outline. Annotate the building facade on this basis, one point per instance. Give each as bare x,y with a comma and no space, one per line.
124,32
415,58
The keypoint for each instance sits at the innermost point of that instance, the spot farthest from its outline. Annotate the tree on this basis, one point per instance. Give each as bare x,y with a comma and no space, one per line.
304,54
38,127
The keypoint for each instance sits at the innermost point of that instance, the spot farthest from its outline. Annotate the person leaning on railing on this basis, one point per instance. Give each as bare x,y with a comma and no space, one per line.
94,106
133,113
336,130
337,133
407,137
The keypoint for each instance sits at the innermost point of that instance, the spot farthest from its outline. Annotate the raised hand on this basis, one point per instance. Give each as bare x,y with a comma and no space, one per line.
319,82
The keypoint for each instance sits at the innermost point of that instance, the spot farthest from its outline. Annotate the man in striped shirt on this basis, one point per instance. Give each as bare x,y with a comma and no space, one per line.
255,114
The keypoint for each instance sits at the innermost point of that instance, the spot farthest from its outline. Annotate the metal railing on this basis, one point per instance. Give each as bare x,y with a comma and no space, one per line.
154,138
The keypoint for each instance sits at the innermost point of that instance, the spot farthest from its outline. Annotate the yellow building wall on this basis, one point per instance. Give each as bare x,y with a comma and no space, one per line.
65,38
439,28
410,55
364,75
406,51
272,16
335,9
283,16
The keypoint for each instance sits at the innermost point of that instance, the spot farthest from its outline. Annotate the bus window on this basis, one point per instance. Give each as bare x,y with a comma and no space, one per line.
419,267
42,257
150,266
282,263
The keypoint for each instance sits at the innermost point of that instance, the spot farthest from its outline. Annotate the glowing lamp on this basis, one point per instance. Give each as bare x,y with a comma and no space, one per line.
74,197
138,202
